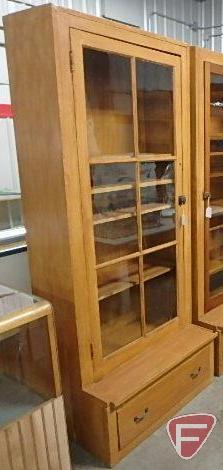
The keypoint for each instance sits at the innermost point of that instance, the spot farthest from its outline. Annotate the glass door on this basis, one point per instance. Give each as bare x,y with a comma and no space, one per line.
132,149
214,186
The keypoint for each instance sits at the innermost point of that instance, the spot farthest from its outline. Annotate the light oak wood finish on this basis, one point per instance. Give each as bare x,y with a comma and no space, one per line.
53,119
207,310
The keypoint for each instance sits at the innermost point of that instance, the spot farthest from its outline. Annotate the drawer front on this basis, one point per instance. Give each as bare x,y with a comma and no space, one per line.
143,411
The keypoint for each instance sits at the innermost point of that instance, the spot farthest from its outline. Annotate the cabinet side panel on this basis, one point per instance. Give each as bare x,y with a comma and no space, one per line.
30,51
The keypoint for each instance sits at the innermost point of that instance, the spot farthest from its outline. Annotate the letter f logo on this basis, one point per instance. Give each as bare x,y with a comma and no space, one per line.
188,433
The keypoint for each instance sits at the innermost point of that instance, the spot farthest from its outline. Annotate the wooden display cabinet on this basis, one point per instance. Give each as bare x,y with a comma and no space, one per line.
102,127
207,184
33,432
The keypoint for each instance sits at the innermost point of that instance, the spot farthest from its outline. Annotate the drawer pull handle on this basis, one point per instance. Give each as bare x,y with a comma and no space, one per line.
194,375
138,419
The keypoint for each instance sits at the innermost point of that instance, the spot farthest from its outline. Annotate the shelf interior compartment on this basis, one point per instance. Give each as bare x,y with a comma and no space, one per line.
120,317
155,107
160,283
117,277
109,103
116,239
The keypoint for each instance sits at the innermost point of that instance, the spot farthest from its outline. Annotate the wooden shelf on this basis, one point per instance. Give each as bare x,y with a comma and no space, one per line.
216,136
112,187
112,159
216,154
217,227
155,271
154,207
112,216
216,266
149,157
133,279
216,174
217,208
113,288
158,182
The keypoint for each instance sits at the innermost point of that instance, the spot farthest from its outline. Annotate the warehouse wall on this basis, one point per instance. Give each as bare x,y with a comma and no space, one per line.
147,14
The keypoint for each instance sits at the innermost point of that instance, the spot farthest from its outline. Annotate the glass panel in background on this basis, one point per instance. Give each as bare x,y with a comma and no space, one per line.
150,172
117,277
160,287
155,107
26,374
113,205
216,184
109,103
216,258
115,239
158,228
120,318
112,175
216,109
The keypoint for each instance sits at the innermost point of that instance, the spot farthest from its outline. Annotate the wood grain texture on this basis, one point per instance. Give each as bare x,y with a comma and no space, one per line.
33,442
49,100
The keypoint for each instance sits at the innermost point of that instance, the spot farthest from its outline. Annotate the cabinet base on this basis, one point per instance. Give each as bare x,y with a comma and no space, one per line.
116,415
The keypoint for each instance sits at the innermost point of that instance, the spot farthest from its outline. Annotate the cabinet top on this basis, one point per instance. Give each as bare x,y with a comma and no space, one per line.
98,25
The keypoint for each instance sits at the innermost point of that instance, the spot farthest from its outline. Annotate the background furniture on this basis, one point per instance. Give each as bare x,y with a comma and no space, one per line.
32,422
207,192
103,147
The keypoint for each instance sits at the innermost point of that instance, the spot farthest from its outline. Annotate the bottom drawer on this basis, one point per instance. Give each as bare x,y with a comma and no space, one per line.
147,408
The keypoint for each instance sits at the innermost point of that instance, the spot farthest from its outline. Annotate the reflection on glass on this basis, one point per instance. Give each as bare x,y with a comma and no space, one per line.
216,107
10,213
117,277
153,171
164,309
120,319
113,205
155,107
115,239
160,287
109,103
112,174
26,377
158,197
158,227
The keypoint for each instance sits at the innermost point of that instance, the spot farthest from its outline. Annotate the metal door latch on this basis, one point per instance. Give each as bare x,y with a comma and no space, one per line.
182,200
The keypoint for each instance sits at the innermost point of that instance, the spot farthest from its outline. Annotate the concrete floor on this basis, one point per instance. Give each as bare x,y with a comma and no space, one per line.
157,453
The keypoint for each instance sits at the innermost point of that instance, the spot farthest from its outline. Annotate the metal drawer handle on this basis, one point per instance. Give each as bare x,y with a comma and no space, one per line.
138,419
194,375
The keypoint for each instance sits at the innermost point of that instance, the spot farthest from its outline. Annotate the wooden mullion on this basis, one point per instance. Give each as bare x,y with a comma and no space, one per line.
138,194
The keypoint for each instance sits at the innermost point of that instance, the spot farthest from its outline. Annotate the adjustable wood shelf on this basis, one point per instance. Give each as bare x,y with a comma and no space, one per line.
113,256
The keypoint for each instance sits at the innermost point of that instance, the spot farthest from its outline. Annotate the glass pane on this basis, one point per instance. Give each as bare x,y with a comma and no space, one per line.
160,287
26,374
155,107
115,239
158,228
153,171
215,267
117,277
216,259
120,319
10,213
216,93
109,103
113,205
112,174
